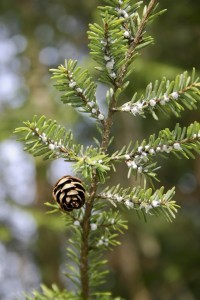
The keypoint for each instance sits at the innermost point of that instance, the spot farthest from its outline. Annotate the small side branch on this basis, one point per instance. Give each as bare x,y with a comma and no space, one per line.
136,41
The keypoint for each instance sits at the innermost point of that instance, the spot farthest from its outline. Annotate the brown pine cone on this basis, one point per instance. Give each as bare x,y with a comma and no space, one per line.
69,193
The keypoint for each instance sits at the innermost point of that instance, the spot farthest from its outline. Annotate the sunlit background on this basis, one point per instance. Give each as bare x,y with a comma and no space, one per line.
157,260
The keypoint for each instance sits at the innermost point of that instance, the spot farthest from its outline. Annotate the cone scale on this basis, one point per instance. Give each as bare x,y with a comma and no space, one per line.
69,193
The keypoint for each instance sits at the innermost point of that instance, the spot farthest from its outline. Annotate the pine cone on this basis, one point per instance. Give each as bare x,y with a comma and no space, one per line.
69,193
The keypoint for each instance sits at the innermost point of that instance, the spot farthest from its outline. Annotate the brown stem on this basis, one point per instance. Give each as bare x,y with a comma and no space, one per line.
88,210
136,41
142,26
85,289
108,123
85,241
84,252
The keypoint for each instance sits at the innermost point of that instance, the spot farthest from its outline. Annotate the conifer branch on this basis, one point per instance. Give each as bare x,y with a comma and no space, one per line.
85,288
166,96
107,47
45,137
51,293
180,142
84,261
78,87
142,200
113,45
136,41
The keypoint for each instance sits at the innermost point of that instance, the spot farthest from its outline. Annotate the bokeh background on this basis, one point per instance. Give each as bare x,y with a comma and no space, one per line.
157,260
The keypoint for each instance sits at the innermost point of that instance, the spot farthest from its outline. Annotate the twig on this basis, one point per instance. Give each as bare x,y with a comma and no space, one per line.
135,42
107,124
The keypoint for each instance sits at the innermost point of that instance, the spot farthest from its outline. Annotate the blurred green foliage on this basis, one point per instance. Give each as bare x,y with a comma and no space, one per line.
156,260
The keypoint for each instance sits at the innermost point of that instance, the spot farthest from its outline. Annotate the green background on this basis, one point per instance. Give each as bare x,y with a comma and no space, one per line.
157,260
